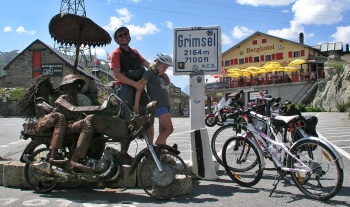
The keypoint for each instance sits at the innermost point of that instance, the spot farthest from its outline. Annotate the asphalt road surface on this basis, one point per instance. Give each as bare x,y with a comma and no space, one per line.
220,192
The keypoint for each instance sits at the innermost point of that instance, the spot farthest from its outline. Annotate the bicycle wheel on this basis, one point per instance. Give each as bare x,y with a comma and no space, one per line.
163,186
219,137
39,181
325,179
242,161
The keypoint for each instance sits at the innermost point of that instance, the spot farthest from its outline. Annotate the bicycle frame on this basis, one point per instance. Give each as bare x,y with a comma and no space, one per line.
149,145
266,144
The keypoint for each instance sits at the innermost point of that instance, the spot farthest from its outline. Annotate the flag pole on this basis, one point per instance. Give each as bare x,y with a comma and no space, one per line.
107,73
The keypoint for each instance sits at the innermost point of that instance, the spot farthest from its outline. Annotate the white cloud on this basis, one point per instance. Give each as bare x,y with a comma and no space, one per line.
266,2
288,33
342,34
226,40
7,29
135,30
241,31
125,15
168,24
139,31
114,22
322,12
21,29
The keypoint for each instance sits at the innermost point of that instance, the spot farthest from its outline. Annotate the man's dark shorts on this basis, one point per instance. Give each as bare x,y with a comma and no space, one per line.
127,93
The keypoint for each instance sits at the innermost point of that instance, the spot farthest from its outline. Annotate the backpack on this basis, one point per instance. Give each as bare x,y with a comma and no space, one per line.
129,64
310,125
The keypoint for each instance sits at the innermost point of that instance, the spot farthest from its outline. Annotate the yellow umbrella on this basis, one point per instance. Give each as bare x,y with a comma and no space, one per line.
297,62
232,75
272,65
263,70
253,68
232,70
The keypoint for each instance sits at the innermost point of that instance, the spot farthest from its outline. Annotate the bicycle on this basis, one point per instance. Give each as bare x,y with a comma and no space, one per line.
240,117
225,132
315,166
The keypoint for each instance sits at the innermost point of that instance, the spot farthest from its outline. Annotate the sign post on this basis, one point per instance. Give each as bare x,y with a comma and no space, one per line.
197,52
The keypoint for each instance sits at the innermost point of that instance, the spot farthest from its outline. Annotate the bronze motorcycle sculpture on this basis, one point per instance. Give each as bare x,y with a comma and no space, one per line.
105,162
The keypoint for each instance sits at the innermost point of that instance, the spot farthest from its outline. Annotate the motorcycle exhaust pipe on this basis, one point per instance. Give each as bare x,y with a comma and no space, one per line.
46,168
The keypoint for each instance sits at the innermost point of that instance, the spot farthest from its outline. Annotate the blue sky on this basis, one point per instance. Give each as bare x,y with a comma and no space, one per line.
151,22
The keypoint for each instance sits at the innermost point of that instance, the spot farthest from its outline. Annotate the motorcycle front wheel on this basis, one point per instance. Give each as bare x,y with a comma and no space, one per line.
39,181
210,121
163,186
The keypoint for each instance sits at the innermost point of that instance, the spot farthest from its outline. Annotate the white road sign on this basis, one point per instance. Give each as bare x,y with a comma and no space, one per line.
196,49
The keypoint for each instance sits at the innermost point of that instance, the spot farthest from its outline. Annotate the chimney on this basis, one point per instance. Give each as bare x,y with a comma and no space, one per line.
301,38
347,48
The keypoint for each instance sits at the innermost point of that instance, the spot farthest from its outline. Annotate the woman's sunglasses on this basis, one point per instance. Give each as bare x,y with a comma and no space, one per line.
124,34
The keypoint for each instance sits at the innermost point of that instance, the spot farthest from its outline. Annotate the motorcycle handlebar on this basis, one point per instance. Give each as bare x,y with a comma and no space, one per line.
126,107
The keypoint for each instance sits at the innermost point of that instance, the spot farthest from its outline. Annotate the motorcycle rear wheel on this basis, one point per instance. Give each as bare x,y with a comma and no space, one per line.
38,180
163,187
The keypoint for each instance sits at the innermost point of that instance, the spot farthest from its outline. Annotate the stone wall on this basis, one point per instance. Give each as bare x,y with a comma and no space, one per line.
336,90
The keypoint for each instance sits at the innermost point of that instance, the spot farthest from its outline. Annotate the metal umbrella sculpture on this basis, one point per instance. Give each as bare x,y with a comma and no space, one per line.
71,29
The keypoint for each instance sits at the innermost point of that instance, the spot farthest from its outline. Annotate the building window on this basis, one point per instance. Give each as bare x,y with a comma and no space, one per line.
267,57
296,53
279,56
254,42
256,59
263,40
227,62
241,61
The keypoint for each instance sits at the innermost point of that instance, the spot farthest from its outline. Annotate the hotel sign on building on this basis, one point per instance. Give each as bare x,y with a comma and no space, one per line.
197,49
260,49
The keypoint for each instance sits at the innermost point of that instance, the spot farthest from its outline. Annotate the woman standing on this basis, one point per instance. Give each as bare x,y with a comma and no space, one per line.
156,82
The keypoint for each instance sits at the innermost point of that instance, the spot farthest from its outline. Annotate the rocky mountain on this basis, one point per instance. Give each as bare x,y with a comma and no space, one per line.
6,57
334,91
